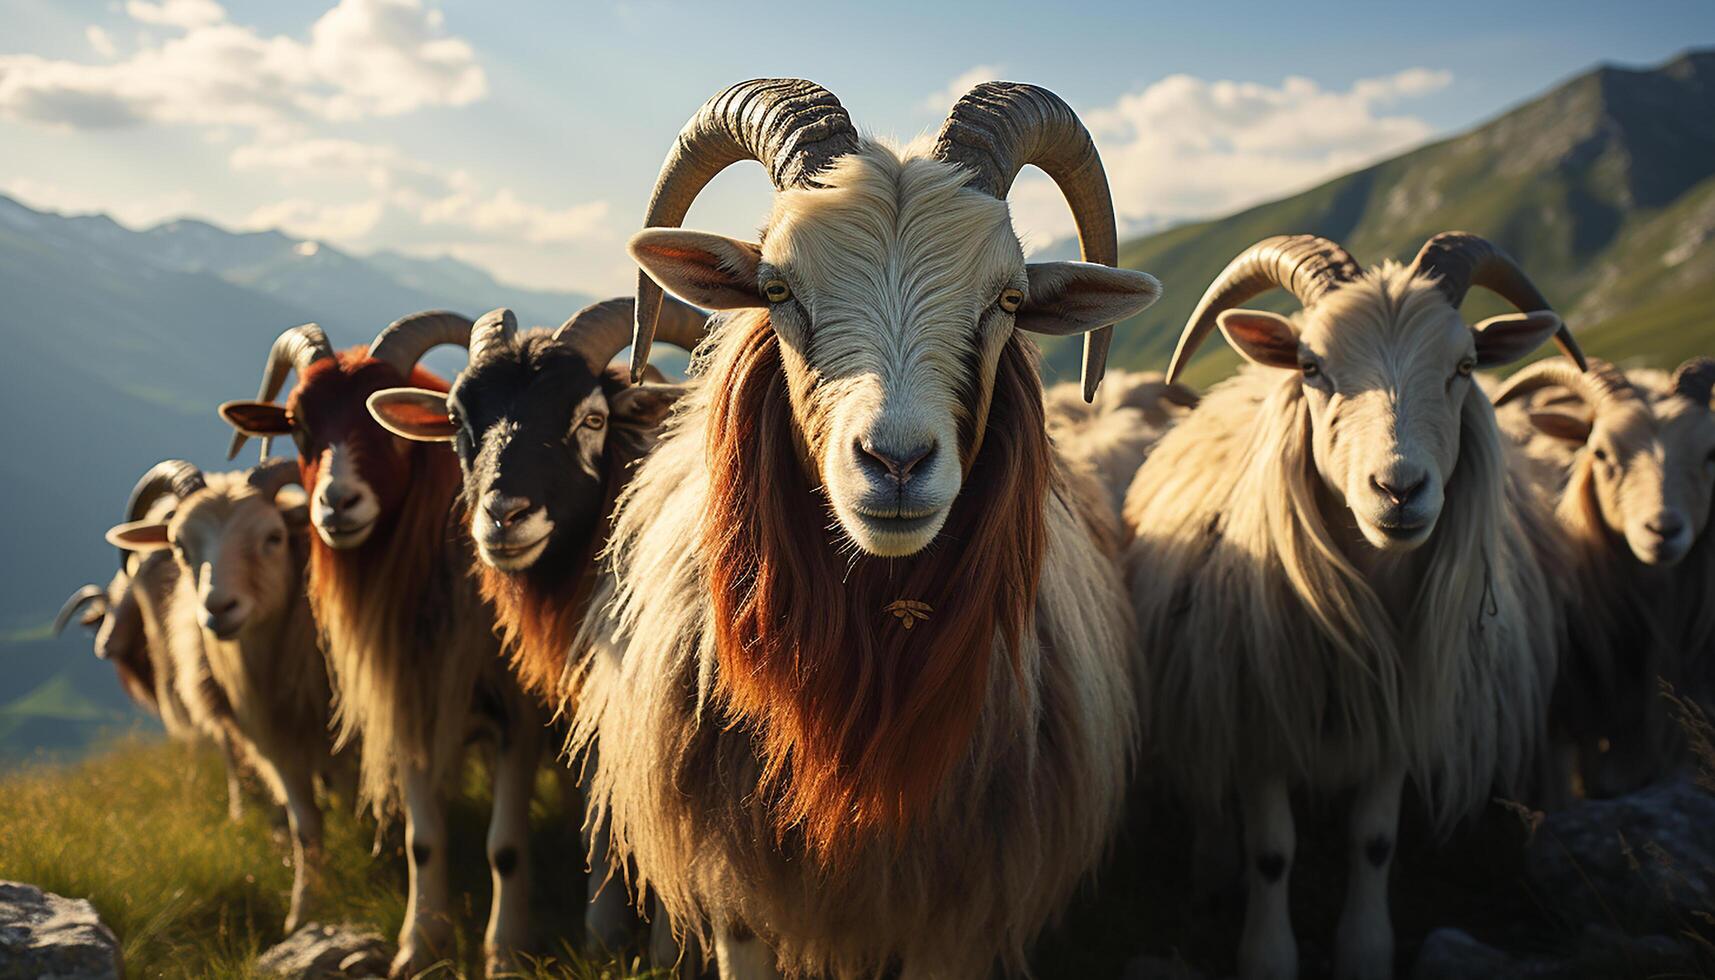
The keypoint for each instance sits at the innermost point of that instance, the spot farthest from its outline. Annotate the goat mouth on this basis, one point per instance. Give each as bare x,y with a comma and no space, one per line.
511,556
344,535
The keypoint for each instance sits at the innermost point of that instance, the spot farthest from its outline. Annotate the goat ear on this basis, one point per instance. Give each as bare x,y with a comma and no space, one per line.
644,406
1263,338
139,536
1506,338
417,414
1077,297
707,270
257,418
1561,425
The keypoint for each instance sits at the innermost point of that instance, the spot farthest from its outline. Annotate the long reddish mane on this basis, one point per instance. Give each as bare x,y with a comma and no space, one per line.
857,720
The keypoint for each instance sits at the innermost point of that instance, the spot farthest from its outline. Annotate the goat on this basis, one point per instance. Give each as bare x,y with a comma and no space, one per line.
241,570
156,650
415,666
863,696
1336,582
1630,461
547,433
1116,431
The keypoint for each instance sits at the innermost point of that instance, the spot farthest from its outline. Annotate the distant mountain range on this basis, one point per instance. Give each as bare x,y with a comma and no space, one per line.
1603,189
118,345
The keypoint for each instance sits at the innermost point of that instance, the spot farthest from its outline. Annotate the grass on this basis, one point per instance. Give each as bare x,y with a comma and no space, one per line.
141,830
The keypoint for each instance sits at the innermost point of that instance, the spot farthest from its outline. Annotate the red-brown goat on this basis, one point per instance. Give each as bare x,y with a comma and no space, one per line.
416,667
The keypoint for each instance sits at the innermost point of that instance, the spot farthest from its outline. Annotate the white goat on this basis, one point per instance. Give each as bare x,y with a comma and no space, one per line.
1335,583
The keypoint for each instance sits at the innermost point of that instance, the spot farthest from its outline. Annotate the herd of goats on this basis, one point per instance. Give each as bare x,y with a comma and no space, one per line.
851,644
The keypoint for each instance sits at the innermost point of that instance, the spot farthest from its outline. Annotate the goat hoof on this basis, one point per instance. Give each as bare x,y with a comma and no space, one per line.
408,963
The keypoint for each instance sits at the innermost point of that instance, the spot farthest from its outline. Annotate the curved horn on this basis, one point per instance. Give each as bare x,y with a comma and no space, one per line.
1601,383
403,342
1307,266
793,127
1462,260
273,476
997,129
82,597
1695,379
170,477
601,330
492,330
294,350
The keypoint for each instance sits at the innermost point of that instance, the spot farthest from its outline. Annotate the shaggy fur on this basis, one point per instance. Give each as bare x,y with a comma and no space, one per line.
1115,432
409,641
1631,625
1279,643
776,750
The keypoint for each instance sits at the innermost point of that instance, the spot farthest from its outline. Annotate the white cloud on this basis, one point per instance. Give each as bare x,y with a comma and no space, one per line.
1187,147
314,219
100,41
363,58
941,101
176,13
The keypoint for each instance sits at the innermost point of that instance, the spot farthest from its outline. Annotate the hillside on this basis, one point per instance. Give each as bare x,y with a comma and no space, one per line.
119,343
1604,189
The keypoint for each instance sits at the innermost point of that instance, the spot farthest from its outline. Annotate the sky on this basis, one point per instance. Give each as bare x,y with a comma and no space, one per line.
524,136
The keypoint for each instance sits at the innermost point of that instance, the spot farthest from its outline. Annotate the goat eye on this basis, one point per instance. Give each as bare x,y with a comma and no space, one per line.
776,291
595,420
275,539
1310,369
1466,366
1011,299
1600,454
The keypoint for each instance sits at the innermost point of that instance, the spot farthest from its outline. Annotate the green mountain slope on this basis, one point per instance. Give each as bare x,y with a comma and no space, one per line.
1603,189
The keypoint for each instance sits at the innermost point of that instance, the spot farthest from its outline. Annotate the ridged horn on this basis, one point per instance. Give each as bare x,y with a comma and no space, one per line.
492,331
997,129
1695,379
294,350
601,330
1307,266
275,475
1601,383
1461,260
403,342
794,128
78,600
174,478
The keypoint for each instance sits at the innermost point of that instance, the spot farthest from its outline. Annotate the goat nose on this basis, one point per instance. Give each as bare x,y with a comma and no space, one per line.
898,464
343,498
1399,487
1666,524
220,605
505,511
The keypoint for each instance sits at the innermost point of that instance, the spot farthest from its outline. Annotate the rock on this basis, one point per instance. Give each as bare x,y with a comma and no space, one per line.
45,935
316,951
1453,954
1640,859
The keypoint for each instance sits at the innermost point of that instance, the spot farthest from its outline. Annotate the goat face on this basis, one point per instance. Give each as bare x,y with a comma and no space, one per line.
893,289
1650,463
537,431
1384,363
231,544
356,471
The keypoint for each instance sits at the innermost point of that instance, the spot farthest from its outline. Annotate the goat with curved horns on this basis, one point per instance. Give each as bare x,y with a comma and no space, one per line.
865,700
241,564
416,669
1630,457
1338,581
547,435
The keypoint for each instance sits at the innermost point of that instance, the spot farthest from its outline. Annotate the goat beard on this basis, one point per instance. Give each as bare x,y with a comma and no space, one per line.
858,722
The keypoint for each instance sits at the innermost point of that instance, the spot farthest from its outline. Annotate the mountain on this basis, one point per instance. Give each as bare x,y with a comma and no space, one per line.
118,344
1603,189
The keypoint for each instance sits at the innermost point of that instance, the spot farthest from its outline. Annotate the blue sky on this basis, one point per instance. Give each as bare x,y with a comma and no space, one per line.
525,136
